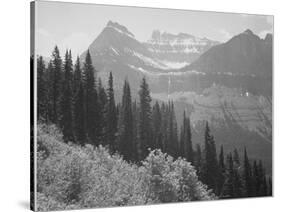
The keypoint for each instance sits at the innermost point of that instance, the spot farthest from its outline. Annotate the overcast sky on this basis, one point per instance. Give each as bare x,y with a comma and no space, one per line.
75,26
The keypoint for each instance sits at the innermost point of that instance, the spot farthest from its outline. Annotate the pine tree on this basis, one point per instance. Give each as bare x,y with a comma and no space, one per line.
145,132
247,176
111,115
77,76
56,82
136,150
66,101
172,134
156,126
236,158
264,187
91,101
42,91
102,103
269,186
238,190
164,127
261,176
79,115
221,172
125,124
49,83
210,166
185,140
198,161
228,189
256,181
221,159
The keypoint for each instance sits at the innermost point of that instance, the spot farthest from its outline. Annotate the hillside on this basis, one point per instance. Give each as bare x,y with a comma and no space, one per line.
75,177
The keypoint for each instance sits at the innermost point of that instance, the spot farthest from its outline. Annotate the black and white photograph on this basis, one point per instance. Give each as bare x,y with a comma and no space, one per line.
144,106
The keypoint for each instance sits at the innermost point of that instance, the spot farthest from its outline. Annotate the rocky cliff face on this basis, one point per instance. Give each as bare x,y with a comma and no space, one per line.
177,50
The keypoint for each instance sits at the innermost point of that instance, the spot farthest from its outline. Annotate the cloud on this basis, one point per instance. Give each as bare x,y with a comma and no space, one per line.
45,42
225,35
43,32
269,20
77,42
263,33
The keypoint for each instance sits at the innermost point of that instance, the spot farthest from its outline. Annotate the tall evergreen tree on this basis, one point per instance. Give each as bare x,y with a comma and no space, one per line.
77,76
198,161
236,157
91,101
172,134
256,180
125,124
264,187
210,168
261,175
49,83
221,159
79,115
228,189
136,151
66,100
238,189
269,186
221,172
247,176
185,140
102,103
145,132
156,126
42,91
111,115
56,84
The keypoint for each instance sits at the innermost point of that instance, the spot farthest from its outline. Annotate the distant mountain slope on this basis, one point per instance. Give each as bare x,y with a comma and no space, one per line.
244,54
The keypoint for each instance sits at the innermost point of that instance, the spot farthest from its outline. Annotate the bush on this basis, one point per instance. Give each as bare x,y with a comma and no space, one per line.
71,176
173,180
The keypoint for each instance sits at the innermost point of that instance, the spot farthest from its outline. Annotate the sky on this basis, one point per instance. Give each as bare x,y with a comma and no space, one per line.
75,26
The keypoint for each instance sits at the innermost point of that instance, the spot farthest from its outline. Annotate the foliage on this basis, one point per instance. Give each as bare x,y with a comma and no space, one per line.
71,176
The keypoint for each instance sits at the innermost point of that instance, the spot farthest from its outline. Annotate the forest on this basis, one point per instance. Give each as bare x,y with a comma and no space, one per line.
134,150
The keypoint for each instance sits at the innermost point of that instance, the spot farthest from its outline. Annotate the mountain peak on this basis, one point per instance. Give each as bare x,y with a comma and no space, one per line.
248,32
268,37
119,28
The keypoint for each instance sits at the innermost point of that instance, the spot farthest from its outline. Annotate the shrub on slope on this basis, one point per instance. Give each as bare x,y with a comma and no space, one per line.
71,176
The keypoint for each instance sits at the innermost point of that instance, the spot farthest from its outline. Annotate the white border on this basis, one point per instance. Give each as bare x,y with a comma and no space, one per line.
14,111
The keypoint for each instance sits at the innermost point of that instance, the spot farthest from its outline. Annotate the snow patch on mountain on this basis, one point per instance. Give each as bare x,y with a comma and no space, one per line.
174,65
114,50
150,61
170,73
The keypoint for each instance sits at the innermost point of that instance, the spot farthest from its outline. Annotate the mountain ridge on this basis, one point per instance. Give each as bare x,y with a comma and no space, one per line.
245,53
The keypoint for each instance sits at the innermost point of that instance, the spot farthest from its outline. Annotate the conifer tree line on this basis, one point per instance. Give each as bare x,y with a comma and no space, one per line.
70,95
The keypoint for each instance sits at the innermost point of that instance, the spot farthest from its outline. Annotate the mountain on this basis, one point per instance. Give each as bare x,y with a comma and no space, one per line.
222,85
177,50
244,54
116,49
